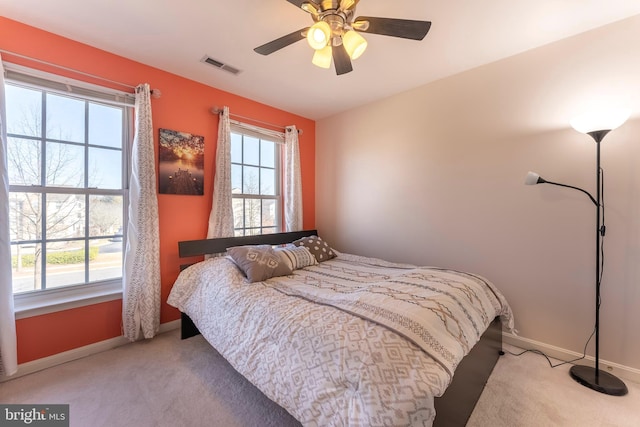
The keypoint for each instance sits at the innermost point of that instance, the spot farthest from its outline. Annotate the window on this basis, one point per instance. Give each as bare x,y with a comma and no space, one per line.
67,176
255,183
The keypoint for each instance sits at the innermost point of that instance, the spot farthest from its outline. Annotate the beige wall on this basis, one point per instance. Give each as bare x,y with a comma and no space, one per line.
435,176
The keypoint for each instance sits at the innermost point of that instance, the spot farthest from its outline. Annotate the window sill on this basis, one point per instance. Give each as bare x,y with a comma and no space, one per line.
53,300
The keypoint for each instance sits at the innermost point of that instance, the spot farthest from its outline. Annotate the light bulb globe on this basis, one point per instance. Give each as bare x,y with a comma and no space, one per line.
319,35
322,57
354,44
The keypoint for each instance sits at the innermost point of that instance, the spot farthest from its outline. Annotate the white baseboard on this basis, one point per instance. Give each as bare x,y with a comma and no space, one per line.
621,371
80,352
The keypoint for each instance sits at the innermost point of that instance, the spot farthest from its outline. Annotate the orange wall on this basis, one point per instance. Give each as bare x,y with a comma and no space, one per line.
185,106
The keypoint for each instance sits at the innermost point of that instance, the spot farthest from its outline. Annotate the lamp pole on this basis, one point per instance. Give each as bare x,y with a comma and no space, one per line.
599,235
594,378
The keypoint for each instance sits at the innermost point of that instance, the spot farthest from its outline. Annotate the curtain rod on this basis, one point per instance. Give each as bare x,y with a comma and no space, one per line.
155,92
216,110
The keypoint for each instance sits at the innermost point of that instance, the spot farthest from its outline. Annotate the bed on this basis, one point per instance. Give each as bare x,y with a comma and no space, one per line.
348,340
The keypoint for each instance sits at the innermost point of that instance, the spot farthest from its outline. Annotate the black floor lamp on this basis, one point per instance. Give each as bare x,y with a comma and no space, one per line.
597,126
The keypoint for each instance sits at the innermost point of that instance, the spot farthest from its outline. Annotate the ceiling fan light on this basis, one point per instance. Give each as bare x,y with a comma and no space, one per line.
319,35
322,57
354,43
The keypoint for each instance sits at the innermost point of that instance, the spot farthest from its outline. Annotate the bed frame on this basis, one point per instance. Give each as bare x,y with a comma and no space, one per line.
454,407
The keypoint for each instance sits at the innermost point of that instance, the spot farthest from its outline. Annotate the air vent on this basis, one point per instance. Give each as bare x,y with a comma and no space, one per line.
221,65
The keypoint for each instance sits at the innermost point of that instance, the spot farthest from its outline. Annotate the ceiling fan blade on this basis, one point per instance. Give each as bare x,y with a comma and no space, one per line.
281,42
341,60
404,28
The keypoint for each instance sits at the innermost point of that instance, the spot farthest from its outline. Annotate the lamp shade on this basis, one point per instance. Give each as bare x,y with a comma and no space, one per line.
318,35
600,120
322,57
354,43
532,178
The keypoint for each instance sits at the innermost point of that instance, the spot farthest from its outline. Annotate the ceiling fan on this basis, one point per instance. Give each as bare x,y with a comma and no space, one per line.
335,32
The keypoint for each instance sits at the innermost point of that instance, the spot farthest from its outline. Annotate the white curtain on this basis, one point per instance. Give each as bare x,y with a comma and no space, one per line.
141,293
221,216
8,349
292,181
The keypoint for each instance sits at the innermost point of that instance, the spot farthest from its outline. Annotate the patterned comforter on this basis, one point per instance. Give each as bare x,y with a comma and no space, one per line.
352,341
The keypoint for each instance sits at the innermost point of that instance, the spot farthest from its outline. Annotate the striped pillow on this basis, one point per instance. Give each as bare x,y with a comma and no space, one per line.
296,256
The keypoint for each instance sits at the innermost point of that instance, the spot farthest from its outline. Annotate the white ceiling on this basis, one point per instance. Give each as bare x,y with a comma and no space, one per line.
175,35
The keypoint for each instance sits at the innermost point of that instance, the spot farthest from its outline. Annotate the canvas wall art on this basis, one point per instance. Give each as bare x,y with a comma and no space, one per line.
181,163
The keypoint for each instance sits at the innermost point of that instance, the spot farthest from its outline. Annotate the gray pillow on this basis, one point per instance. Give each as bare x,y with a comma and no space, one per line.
259,262
318,247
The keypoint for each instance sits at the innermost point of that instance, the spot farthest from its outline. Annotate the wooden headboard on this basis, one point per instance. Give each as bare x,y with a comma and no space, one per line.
191,248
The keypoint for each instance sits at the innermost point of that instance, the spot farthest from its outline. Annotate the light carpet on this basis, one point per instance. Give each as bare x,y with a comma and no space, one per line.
525,391
169,382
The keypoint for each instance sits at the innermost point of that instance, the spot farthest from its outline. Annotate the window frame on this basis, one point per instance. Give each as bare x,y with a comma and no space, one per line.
47,300
276,138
